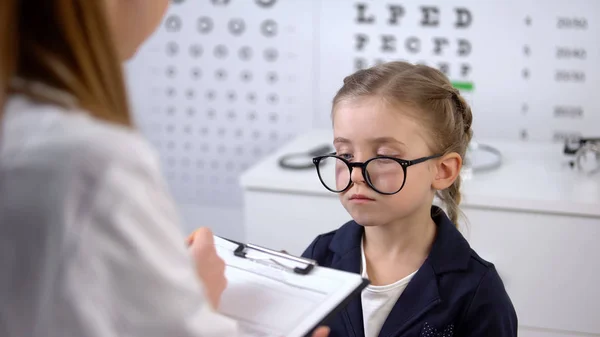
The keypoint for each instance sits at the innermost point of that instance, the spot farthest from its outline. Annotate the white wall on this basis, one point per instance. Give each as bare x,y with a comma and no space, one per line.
225,221
223,83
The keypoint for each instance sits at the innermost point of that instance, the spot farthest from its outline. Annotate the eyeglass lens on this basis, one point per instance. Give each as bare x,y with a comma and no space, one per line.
384,175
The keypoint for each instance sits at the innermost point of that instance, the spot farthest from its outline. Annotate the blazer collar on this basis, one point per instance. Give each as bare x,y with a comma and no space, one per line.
450,250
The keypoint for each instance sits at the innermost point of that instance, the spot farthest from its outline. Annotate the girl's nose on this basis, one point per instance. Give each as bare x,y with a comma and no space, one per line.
357,176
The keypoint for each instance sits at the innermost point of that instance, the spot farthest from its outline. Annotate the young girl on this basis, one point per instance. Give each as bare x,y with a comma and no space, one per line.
400,134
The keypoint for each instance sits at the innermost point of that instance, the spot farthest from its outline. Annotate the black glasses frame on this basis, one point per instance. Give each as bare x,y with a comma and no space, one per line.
363,166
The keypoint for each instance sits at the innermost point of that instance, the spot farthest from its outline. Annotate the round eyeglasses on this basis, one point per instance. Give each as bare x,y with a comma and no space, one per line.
385,175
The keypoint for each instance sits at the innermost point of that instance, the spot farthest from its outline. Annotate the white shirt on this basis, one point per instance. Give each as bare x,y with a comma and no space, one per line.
90,243
378,301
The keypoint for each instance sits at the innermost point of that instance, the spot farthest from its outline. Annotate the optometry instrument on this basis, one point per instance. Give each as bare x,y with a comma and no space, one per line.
482,157
585,153
303,161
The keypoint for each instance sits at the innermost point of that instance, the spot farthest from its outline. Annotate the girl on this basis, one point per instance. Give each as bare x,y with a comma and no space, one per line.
400,135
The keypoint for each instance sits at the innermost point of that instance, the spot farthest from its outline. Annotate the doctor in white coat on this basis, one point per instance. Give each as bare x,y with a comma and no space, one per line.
90,242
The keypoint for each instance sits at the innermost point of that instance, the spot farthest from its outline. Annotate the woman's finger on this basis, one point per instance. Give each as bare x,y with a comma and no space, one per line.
321,332
203,235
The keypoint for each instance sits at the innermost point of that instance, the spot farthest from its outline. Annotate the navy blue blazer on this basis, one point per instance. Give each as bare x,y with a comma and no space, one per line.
454,293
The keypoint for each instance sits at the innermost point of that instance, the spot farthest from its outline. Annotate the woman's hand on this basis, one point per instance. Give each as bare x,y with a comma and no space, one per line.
211,269
209,266
321,332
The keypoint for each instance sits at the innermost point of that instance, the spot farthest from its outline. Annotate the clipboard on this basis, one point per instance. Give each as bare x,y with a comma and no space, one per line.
272,293
308,265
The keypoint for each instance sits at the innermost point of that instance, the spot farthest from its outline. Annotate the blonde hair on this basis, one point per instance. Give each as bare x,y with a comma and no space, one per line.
439,106
67,45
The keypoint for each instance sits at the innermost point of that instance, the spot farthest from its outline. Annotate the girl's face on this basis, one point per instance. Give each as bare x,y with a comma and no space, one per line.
368,127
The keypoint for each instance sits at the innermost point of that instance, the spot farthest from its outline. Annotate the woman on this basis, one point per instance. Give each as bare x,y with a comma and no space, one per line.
89,238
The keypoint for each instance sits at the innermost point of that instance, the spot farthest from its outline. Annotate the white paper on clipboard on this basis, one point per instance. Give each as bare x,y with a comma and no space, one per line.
267,299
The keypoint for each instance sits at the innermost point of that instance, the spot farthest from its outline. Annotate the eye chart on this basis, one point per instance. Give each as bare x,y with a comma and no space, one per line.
222,83
219,86
530,69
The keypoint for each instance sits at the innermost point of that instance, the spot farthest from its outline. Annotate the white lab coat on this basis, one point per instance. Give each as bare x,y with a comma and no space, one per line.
90,244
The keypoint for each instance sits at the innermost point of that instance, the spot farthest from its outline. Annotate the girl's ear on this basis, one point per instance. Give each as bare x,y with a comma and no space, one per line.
447,170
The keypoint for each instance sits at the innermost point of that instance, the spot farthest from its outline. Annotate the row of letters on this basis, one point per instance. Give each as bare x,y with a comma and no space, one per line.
388,43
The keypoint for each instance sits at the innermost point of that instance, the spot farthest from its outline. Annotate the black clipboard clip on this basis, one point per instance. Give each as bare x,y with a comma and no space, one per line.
243,248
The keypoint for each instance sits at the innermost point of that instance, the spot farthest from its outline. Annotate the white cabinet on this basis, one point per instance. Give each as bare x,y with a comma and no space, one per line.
535,218
548,262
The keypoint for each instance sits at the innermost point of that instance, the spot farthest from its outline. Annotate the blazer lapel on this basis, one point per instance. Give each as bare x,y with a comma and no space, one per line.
420,296
352,313
346,245
450,252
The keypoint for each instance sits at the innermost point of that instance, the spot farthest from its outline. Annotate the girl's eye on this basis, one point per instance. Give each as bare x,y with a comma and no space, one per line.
346,156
